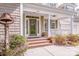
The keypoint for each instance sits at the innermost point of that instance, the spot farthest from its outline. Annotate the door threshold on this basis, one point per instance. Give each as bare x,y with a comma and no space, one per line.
36,37
33,37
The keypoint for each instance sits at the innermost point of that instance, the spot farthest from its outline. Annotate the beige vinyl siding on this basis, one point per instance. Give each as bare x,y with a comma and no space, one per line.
76,28
14,10
65,26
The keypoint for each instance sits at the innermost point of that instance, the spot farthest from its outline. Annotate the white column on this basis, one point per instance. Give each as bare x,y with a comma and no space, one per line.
40,27
59,27
72,18
71,23
49,33
21,19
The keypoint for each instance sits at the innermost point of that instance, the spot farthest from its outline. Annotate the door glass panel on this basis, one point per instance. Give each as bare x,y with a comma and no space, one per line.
38,26
32,27
27,26
54,24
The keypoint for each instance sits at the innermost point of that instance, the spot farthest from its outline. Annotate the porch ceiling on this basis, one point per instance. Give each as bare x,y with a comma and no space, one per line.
57,16
40,7
10,4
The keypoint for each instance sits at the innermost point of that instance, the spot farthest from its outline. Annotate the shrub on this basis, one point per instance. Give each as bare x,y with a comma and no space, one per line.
16,41
60,40
73,38
17,45
74,43
44,34
19,51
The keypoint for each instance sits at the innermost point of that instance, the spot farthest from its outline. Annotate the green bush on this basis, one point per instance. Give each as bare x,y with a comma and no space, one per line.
16,41
17,45
19,51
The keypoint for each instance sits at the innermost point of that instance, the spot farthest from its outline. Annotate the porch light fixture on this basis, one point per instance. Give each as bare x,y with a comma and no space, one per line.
5,20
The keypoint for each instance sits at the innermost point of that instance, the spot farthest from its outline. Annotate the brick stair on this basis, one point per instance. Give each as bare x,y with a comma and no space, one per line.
32,43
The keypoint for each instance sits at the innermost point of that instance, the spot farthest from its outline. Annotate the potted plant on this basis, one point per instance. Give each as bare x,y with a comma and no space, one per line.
44,34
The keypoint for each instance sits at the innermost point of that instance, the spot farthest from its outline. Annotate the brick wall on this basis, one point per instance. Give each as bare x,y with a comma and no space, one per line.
14,10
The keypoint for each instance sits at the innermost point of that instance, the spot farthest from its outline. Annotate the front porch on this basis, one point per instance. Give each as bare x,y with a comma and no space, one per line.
38,19
40,25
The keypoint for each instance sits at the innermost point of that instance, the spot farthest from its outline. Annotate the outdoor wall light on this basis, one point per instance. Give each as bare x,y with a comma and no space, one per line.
5,20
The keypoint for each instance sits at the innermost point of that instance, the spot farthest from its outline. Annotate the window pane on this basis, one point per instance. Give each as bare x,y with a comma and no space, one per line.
26,26
53,24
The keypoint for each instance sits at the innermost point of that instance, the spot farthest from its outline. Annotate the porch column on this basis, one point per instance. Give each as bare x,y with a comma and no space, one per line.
72,18
21,20
71,25
49,33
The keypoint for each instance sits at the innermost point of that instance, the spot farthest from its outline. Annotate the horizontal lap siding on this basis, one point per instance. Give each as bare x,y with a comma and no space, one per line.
65,26
14,10
76,28
55,32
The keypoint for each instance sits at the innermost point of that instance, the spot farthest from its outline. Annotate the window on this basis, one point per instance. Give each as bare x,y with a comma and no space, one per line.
54,24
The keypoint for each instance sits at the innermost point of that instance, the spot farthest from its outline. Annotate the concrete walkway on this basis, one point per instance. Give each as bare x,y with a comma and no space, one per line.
52,50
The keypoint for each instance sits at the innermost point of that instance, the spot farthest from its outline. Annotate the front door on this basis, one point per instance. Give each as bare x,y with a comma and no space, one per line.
32,27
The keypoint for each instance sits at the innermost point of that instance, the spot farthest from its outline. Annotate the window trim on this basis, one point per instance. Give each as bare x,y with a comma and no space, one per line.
55,22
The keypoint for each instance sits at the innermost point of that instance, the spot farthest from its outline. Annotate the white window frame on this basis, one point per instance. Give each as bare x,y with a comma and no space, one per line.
56,24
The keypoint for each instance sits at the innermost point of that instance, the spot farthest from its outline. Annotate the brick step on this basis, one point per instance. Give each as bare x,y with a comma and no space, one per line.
38,41
39,45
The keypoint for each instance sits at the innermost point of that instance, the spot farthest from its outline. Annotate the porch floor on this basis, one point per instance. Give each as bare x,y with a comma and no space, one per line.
30,38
